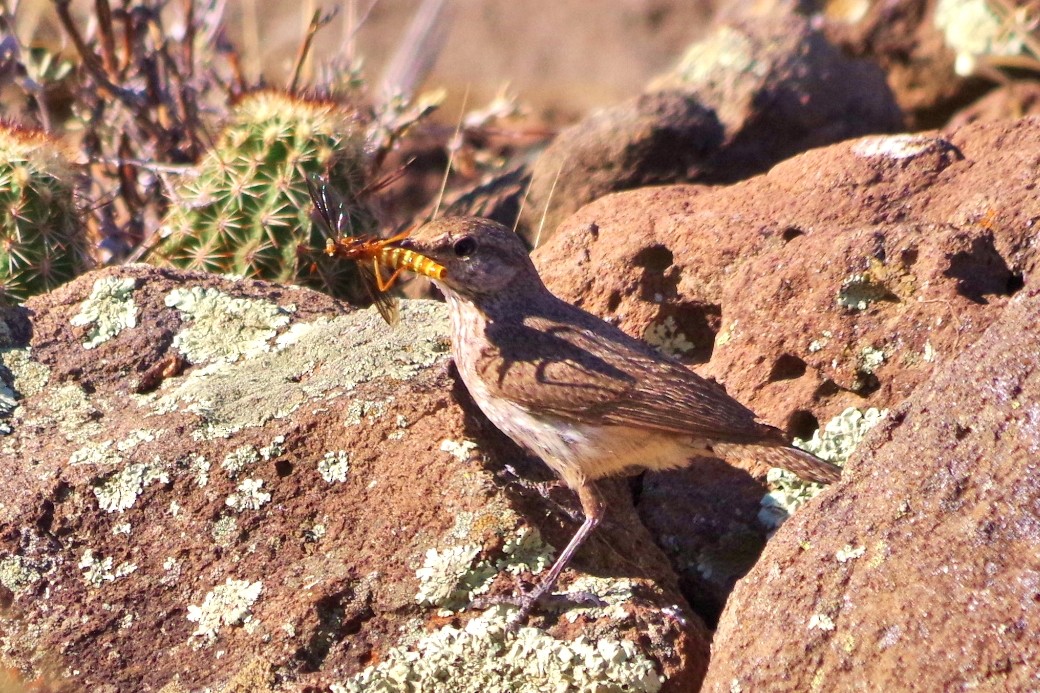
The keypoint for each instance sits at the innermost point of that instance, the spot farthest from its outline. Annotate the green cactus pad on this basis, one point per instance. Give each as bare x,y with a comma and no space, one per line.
246,210
42,241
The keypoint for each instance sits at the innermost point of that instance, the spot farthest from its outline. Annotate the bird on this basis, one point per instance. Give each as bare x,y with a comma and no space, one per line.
587,398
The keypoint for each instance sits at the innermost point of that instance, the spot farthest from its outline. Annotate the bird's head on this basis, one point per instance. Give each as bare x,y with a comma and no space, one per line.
481,258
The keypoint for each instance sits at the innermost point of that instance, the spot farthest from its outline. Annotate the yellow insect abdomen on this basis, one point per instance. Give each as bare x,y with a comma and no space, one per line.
398,258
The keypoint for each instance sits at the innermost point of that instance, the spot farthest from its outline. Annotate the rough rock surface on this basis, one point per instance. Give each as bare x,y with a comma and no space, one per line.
754,92
845,277
233,485
921,570
1008,102
938,55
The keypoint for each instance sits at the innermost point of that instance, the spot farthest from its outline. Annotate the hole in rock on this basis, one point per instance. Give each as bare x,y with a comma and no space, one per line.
686,331
981,271
787,367
654,258
802,424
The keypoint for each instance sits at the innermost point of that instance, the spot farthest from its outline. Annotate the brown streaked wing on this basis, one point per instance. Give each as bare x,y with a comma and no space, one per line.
599,374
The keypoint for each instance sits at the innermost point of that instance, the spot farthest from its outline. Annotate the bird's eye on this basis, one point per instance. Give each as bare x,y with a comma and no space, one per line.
464,246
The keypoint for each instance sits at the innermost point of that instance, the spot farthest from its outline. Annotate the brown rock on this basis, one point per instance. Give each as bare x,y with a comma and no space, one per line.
939,55
1008,102
661,137
845,277
920,571
754,92
263,516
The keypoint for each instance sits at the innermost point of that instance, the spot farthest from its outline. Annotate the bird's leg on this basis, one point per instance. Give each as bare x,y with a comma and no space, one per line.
594,507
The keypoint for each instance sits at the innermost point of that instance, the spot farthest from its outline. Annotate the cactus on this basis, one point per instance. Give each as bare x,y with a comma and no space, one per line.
42,240
245,209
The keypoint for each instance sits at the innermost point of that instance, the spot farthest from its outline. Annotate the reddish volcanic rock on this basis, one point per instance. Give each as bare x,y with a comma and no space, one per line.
920,571
887,243
239,486
1007,102
844,277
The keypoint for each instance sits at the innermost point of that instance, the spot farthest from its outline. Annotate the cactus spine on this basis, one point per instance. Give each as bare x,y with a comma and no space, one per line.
246,208
42,240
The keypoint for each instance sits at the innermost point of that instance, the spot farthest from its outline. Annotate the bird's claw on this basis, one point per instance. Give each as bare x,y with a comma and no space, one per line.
525,603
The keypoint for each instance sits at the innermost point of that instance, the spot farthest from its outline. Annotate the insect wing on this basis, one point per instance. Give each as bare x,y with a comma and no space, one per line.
330,209
385,302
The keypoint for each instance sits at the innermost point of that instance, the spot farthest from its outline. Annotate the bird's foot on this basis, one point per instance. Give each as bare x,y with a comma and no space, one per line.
525,603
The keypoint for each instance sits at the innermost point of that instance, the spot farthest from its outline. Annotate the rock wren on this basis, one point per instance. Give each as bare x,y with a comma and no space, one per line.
590,400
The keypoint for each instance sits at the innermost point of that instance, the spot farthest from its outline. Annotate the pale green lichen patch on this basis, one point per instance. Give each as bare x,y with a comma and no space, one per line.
135,438
249,496
860,290
480,657
449,579
401,422
525,551
98,453
225,530
359,410
223,327
835,443
108,310
225,605
842,435
238,459
821,343
870,359
198,467
68,409
849,553
334,466
274,449
20,377
727,334
666,336
17,574
459,449
118,492
328,360
108,452
97,571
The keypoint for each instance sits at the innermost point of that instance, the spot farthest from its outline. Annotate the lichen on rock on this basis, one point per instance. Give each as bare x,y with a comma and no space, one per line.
119,491
835,443
223,327
480,657
249,496
334,466
108,311
18,574
225,605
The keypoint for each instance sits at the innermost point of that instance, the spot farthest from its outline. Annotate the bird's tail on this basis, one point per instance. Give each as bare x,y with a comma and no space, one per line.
805,464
